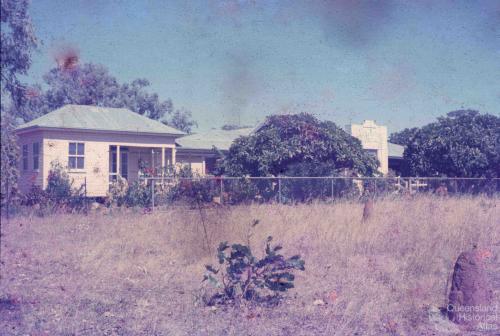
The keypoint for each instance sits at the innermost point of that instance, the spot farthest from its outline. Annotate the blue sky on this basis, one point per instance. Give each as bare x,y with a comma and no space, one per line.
402,63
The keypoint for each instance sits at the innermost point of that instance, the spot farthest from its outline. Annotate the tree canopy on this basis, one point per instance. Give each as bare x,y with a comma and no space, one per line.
403,137
17,41
232,127
92,84
464,143
283,141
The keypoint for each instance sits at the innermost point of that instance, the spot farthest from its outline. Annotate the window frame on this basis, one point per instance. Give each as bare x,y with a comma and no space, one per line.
124,166
76,155
36,155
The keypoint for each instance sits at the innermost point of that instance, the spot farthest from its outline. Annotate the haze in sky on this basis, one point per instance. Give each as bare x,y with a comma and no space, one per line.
402,63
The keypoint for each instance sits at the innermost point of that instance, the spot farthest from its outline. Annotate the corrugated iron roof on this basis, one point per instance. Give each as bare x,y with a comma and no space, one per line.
100,119
221,139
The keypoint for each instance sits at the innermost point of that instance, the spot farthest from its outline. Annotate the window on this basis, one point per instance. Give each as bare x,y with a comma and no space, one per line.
76,155
25,157
113,167
124,162
36,155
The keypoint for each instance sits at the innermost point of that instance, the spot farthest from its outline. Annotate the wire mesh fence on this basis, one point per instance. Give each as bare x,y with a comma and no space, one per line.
290,190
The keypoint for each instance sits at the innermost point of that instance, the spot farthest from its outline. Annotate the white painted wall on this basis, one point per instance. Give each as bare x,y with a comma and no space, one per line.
373,137
55,147
30,177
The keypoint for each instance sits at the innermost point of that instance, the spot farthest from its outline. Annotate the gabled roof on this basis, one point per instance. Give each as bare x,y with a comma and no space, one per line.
220,139
395,150
96,118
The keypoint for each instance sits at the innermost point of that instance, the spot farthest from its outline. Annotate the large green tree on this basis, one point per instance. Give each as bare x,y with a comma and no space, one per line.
283,141
463,143
17,43
92,84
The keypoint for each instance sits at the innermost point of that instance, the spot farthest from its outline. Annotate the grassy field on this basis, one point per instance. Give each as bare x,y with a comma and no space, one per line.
128,273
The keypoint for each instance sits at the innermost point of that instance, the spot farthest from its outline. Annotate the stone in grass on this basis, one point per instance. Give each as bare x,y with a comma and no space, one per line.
367,210
470,302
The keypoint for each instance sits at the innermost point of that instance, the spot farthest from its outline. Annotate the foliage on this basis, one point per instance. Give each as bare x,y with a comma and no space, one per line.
59,194
17,41
185,185
403,137
284,140
303,190
91,84
194,190
182,119
242,276
59,185
242,190
36,196
117,191
138,194
9,162
464,143
232,127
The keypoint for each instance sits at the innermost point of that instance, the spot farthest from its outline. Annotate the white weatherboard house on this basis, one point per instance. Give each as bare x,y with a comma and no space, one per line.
95,144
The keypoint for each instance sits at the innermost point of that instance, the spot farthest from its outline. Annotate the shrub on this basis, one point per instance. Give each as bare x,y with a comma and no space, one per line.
197,190
36,196
118,191
59,194
241,276
58,183
138,194
283,140
240,191
191,188
308,189
9,161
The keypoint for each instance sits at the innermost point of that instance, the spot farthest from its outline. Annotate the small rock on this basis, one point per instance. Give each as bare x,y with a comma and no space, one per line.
367,210
94,206
318,302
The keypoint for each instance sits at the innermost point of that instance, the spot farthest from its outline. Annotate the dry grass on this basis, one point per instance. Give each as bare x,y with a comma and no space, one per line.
125,273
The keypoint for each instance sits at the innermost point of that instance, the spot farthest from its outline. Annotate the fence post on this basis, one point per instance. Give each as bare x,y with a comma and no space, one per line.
7,204
331,181
86,198
409,185
221,190
279,190
152,195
